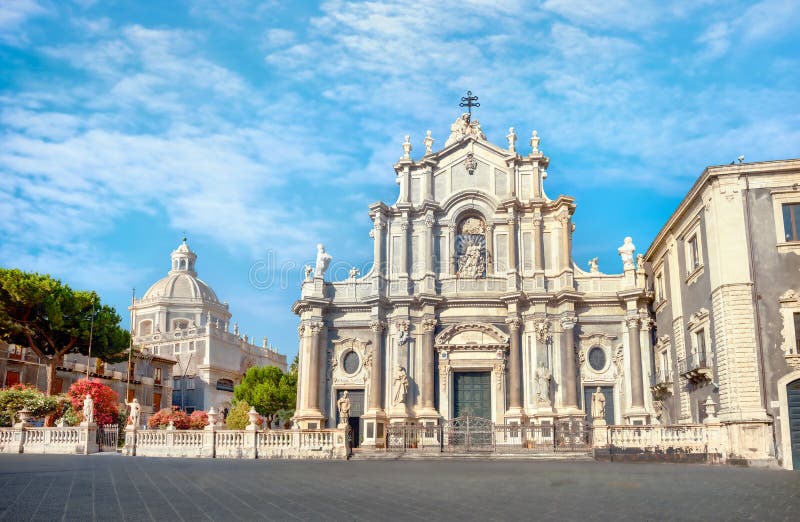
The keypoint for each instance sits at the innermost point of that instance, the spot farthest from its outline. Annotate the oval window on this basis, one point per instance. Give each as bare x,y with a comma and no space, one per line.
350,362
597,358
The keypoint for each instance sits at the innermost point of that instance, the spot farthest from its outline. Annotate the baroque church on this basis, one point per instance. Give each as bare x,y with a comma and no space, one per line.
181,318
473,305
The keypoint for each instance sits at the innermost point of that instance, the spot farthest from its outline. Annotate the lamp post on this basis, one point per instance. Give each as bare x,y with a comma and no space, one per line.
91,333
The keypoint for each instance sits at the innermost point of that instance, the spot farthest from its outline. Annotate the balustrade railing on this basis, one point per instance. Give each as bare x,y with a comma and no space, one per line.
689,436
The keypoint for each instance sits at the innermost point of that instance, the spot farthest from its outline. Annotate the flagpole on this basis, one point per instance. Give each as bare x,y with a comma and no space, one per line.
91,332
130,349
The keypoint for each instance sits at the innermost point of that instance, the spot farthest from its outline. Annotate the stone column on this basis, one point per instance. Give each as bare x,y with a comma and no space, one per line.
637,388
452,252
428,327
428,245
490,248
570,372
376,370
538,240
377,234
404,247
565,233
514,365
512,241
314,345
300,403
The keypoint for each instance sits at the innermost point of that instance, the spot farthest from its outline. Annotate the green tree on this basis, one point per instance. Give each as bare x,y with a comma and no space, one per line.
52,319
268,390
237,418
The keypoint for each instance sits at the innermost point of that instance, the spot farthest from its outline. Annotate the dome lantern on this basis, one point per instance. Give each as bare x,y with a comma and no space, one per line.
183,259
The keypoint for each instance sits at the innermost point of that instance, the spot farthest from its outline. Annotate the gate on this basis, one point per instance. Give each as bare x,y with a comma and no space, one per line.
468,434
413,438
107,437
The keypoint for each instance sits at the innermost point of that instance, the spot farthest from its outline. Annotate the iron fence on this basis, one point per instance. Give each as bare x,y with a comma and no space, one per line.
108,437
476,435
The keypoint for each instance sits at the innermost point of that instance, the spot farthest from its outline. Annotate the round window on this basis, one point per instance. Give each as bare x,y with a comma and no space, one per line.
350,362
597,358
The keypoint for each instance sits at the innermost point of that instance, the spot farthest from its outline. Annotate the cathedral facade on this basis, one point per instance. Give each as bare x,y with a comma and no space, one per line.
473,305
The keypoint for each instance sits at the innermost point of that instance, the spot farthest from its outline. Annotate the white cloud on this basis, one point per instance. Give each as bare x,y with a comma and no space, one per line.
761,22
13,15
279,38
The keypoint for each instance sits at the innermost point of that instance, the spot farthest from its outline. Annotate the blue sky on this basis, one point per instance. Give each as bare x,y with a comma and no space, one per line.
262,128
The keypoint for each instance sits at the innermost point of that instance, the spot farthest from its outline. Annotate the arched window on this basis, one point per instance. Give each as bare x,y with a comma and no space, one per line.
146,327
471,248
180,324
225,385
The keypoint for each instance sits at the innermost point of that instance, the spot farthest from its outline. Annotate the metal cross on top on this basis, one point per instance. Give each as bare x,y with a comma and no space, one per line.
469,101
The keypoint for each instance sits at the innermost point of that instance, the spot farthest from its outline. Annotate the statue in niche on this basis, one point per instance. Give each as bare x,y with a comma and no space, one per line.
343,404
323,260
626,253
400,386
543,377
598,405
471,248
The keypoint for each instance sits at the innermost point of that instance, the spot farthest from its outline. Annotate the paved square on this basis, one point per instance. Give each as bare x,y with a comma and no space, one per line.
112,487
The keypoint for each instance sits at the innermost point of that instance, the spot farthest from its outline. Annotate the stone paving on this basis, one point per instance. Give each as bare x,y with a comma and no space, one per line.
113,487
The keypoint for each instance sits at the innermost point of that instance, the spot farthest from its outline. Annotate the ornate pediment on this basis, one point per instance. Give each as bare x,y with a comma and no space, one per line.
468,336
697,318
790,297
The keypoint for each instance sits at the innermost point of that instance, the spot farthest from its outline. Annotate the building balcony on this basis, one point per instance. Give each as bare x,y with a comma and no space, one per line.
696,368
661,384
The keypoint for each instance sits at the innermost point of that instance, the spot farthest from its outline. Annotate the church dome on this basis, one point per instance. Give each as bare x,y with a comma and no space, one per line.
182,281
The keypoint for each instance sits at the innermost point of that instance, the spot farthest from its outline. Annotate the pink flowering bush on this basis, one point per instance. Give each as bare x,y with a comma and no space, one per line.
106,400
198,420
161,419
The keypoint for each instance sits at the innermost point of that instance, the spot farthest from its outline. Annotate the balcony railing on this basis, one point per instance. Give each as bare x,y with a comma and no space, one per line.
696,367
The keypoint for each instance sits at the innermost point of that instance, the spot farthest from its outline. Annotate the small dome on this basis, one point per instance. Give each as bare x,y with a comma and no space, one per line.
182,281
182,285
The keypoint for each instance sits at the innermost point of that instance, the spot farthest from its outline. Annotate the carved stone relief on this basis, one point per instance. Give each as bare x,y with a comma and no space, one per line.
356,370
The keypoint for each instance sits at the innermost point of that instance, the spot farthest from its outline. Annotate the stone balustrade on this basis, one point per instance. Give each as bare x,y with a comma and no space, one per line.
709,439
79,440
238,444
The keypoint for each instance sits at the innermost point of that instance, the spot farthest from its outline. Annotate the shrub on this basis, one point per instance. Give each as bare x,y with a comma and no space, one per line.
106,406
161,419
20,396
237,417
198,420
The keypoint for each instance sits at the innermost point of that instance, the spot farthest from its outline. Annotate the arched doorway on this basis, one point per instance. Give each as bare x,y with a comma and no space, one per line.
793,402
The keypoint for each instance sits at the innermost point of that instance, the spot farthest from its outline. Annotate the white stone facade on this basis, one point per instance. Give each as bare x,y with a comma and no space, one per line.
181,317
725,270
472,274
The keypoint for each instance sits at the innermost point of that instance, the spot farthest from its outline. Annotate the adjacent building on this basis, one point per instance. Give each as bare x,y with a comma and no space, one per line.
149,378
473,305
725,272
180,317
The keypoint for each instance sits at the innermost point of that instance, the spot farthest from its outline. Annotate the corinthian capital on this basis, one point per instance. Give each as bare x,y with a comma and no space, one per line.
633,321
513,323
315,326
429,325
377,326
568,322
